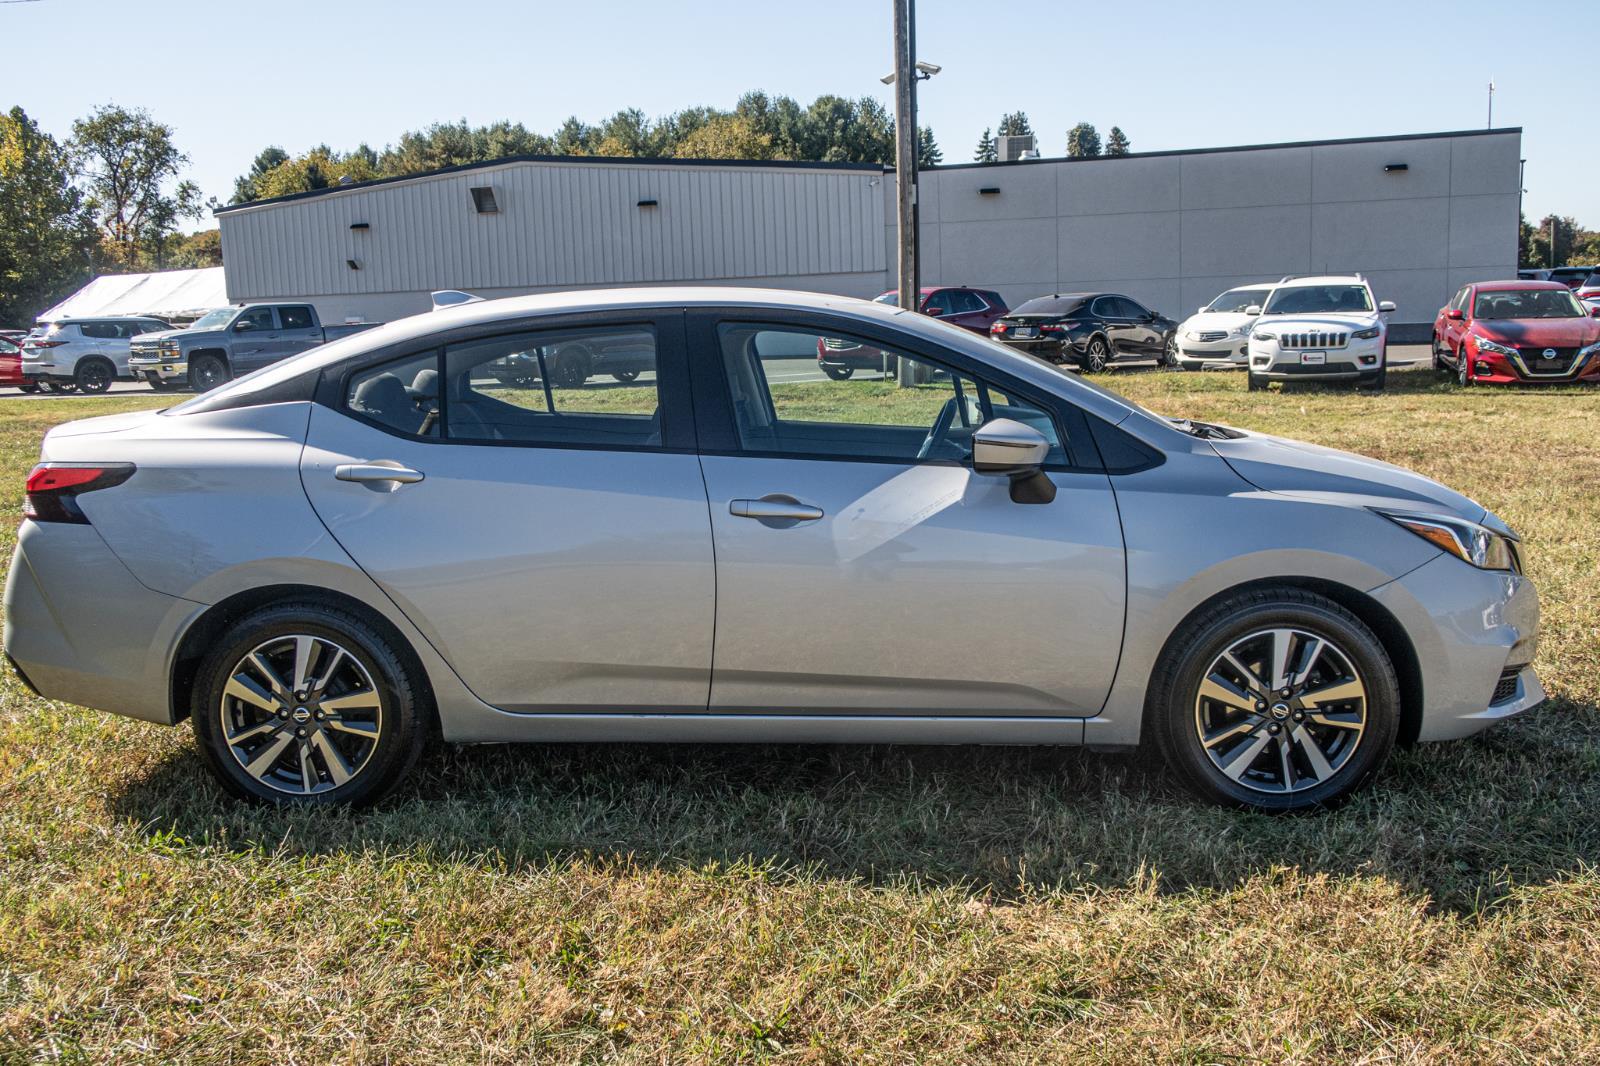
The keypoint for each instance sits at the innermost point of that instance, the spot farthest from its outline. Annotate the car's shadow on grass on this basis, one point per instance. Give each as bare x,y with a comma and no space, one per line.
1462,822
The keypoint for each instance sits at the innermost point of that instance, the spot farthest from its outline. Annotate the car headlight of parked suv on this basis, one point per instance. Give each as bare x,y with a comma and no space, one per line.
1467,541
1366,334
1487,345
1263,337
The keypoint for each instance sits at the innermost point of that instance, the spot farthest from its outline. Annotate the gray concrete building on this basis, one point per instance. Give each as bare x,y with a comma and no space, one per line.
1419,215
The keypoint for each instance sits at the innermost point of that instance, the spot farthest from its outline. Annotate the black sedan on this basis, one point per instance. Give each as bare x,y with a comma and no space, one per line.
1089,329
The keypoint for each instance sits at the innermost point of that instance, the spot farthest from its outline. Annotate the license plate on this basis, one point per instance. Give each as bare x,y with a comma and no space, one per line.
1027,331
1313,358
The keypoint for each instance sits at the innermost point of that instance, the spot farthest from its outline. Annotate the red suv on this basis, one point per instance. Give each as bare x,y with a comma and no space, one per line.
974,309
1517,332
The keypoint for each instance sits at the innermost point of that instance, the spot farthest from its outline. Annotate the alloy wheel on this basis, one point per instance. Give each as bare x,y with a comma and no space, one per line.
1463,378
1281,710
301,714
1096,359
209,373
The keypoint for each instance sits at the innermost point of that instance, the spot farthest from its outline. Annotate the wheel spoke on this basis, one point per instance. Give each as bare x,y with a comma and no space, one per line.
366,700
253,731
1245,755
1285,762
1336,692
1314,648
266,671
368,730
304,646
1251,679
1314,755
1217,736
1282,641
243,687
1216,687
268,755
338,769
1347,721
327,675
308,773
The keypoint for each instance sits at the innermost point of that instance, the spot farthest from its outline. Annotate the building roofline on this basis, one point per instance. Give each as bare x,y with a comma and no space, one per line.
1236,148
869,168
581,160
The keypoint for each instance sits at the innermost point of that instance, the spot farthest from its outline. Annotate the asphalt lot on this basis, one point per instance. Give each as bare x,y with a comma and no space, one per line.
778,370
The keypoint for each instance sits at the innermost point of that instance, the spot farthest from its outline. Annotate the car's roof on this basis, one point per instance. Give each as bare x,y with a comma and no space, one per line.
1321,279
1519,286
929,289
103,318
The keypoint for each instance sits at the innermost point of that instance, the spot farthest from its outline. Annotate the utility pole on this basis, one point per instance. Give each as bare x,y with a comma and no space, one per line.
1553,263
1491,105
905,164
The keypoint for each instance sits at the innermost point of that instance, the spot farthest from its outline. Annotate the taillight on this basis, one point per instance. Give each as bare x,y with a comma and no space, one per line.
998,327
44,344
1052,329
53,488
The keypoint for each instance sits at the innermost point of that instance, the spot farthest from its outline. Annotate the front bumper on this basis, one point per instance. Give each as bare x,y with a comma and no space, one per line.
1359,359
152,370
82,629
1470,628
1495,368
1200,353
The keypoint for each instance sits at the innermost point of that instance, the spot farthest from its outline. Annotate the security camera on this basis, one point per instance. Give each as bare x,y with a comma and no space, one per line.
930,69
888,79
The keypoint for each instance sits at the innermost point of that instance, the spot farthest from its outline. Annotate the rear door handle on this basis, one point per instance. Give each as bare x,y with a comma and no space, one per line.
381,470
775,506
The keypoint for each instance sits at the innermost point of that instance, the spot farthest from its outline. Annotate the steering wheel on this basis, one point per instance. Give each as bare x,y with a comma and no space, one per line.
938,444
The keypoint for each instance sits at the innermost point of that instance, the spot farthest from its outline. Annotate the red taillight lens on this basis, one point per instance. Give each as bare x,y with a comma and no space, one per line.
998,327
53,488
43,344
1052,329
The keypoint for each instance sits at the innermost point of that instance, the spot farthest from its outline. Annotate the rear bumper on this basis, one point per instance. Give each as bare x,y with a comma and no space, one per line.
1469,628
81,629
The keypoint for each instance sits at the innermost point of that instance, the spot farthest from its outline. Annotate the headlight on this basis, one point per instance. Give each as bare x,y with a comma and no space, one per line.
1467,541
1584,353
1367,334
1266,338
1190,334
1486,345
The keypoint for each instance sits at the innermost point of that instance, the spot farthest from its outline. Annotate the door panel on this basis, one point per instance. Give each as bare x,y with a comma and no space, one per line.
923,590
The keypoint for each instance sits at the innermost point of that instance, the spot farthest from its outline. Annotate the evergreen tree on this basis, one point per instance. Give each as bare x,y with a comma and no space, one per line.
986,152
1083,141
1116,142
928,154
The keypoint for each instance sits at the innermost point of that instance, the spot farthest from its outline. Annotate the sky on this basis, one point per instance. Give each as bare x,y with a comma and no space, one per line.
232,78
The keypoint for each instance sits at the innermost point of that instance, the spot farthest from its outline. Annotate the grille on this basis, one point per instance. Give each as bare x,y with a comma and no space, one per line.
1319,339
1560,363
1211,335
1506,689
834,344
1316,368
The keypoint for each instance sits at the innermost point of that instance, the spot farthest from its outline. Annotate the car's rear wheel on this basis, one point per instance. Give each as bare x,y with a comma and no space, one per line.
94,375
570,366
1438,356
1279,700
61,386
1255,382
30,389
625,376
838,373
1097,356
1169,353
303,703
206,372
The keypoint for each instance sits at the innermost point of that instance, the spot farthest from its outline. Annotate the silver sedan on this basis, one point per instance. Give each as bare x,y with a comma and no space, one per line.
485,524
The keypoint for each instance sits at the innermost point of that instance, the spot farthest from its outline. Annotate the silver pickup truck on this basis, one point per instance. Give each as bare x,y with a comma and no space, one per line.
228,342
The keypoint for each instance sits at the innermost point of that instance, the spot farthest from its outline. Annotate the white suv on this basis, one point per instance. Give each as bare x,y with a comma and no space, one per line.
1321,329
1220,332
86,354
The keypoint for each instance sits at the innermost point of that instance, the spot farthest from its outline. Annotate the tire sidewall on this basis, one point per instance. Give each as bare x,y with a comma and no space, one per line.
1173,708
88,381
404,730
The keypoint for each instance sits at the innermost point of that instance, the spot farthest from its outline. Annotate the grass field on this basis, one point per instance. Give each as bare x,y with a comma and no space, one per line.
819,904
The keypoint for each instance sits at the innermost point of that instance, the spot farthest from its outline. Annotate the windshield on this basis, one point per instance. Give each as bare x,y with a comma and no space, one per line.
1526,303
1236,301
1320,300
890,298
214,319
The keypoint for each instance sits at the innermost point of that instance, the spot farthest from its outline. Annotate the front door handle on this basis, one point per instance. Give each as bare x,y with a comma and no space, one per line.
379,471
775,506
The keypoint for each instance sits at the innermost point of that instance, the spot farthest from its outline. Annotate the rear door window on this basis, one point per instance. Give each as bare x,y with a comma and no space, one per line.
99,331
295,317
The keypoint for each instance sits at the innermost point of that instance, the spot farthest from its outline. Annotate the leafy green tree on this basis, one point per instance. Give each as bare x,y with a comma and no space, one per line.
928,154
1569,236
726,137
320,168
986,151
244,186
1015,124
1117,142
1083,141
130,167
195,250
47,232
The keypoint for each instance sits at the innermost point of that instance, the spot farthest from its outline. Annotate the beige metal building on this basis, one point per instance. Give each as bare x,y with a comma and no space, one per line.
1418,214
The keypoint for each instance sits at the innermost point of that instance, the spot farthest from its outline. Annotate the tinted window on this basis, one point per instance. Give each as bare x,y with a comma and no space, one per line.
1237,301
1527,303
403,395
1049,305
98,330
1107,307
587,387
255,321
295,317
1130,309
868,415
1319,299
1459,300
149,325
994,300
963,302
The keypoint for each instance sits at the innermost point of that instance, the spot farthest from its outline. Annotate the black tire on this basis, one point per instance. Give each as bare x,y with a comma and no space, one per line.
625,376
1174,715
1375,382
1462,377
1438,358
29,389
569,369
405,720
94,375
1256,383
1169,352
166,386
59,387
206,372
1096,357
838,373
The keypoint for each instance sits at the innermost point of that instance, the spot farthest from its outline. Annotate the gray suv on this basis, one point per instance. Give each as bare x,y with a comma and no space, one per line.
82,354
383,539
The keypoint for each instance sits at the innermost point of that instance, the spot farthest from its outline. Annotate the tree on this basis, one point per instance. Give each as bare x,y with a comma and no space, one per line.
244,186
1015,124
986,151
1117,142
46,230
726,137
128,162
928,154
320,168
195,251
1536,241
1083,141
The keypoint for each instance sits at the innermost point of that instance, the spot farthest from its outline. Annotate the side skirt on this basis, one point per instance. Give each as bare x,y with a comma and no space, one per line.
501,728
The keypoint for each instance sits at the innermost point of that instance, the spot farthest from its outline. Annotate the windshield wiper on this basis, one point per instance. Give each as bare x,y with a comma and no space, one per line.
1206,430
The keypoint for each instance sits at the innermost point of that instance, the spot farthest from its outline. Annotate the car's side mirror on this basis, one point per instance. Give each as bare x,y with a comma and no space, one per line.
1253,309
1004,447
1202,310
242,326
1454,313
1595,311
1386,306
934,311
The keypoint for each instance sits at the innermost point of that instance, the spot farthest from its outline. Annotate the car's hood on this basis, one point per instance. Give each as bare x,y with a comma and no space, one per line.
1541,332
1293,467
1319,321
1217,320
165,334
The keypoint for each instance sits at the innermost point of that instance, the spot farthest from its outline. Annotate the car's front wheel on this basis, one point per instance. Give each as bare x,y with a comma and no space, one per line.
303,703
1097,357
94,375
206,372
838,373
1279,700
